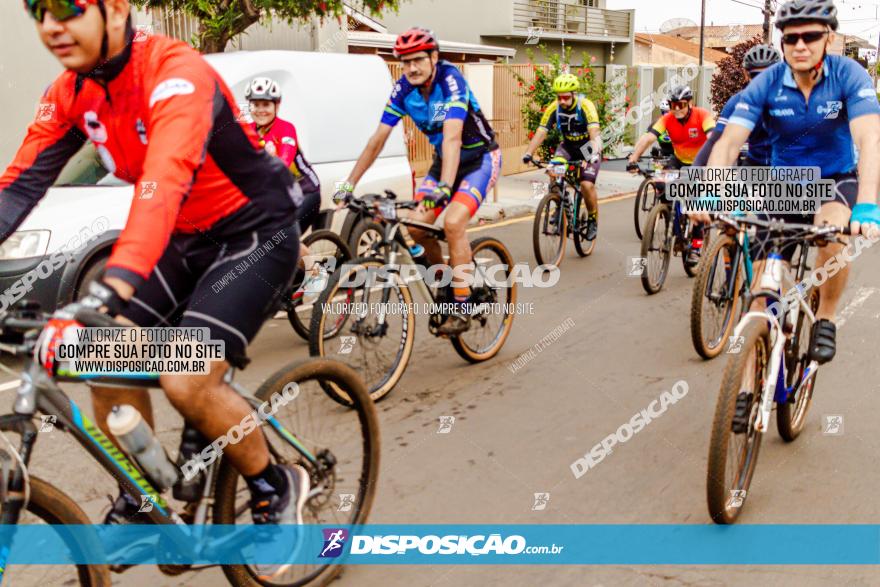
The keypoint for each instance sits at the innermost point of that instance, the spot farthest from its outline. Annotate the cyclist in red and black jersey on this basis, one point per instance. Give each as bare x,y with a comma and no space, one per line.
206,196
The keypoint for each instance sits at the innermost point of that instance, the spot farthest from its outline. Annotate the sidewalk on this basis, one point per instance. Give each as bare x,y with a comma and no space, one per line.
520,194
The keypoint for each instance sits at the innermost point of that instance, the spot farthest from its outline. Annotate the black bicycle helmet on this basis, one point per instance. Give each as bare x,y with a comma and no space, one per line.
807,11
679,93
760,57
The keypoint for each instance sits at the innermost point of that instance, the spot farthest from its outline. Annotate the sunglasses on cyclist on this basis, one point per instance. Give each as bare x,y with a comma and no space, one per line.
60,10
679,104
808,37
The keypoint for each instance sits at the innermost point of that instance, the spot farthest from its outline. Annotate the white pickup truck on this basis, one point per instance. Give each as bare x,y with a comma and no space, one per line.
334,100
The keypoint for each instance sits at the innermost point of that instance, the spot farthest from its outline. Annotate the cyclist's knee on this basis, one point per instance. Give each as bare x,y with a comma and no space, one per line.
191,390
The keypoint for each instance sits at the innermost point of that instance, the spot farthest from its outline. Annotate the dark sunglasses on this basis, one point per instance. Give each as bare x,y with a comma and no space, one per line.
679,104
61,10
808,37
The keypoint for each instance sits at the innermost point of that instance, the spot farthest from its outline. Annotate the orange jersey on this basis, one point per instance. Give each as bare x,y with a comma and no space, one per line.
687,137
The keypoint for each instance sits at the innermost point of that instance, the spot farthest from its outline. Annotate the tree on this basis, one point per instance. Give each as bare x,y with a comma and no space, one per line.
730,77
222,20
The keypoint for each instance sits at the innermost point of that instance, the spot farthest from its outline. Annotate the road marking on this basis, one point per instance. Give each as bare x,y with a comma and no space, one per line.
608,200
862,296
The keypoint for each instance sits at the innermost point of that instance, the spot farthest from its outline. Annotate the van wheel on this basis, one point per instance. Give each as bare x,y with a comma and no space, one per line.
92,271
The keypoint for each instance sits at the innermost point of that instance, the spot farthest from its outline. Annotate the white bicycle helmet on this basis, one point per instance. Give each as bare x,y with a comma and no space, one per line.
263,88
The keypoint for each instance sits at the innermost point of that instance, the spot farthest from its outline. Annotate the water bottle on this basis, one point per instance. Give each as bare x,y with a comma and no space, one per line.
771,278
418,254
191,444
138,440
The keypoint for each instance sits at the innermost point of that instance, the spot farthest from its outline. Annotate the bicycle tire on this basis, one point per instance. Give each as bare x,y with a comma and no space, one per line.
365,234
705,348
660,212
718,496
53,506
460,343
302,371
298,321
640,213
791,417
554,197
317,348
581,220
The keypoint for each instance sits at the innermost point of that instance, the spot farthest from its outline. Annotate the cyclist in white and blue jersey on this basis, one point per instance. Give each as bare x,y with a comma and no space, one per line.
817,109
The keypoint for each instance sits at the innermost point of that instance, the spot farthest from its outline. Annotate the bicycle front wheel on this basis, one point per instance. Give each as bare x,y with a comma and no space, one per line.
550,229
657,248
495,295
646,197
338,447
735,442
375,309
582,246
714,309
791,416
48,505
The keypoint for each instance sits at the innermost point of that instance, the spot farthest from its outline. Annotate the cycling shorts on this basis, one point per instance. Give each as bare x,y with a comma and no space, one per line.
472,182
309,213
572,154
228,279
846,192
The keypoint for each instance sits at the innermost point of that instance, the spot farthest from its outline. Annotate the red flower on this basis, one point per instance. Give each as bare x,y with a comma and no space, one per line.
520,84
588,70
531,134
532,88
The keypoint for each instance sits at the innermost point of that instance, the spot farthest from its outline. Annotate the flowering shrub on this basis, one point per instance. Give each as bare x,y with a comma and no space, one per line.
730,77
539,94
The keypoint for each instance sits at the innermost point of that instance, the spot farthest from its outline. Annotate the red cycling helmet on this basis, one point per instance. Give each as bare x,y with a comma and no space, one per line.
414,40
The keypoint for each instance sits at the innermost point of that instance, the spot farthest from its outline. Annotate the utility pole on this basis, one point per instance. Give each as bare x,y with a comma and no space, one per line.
702,31
767,12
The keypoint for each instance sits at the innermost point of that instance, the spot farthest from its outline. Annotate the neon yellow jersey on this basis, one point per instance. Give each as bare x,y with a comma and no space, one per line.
573,123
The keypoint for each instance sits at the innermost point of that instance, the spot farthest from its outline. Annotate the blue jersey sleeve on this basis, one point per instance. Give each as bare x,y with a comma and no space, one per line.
456,93
395,109
750,107
858,91
726,113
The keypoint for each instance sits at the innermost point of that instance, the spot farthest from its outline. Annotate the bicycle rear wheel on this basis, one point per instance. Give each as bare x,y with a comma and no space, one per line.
375,339
326,248
491,326
646,197
50,506
791,416
346,447
657,248
735,442
550,229
582,246
713,311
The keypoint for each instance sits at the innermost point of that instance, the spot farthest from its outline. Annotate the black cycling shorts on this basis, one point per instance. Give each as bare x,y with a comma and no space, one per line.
846,191
228,279
572,153
309,213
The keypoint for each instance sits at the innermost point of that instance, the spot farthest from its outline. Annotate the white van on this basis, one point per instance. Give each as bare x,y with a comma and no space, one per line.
334,100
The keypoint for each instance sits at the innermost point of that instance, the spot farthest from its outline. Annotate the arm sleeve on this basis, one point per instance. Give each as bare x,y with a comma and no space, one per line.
395,109
590,112
456,93
750,108
549,116
51,140
183,104
706,150
659,127
860,96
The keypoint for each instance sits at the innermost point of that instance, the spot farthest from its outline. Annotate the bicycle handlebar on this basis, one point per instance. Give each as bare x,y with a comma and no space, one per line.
782,228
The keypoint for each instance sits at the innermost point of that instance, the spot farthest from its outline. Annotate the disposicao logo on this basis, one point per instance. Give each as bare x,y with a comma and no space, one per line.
334,542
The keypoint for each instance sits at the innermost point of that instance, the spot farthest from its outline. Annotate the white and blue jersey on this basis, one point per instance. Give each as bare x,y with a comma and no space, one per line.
812,132
759,140
450,99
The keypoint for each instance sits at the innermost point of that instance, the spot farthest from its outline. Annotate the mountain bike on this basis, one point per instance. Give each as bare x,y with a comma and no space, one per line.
339,449
649,192
722,289
370,301
668,232
770,364
562,212
329,252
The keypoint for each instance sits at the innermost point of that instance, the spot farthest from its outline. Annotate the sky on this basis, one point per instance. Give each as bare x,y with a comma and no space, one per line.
858,17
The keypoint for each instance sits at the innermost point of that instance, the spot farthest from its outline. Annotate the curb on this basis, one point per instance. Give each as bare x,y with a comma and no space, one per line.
492,212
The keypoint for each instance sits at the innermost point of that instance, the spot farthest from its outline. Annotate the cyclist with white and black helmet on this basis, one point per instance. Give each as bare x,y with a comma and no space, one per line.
278,137
756,60
816,108
666,149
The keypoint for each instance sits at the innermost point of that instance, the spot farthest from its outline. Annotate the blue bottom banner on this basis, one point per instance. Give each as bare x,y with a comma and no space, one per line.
443,544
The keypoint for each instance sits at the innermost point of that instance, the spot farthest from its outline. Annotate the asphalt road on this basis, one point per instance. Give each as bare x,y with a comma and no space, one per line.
517,433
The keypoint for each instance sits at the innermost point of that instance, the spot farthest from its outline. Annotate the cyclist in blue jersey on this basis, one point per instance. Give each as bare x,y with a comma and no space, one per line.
816,108
467,160
756,60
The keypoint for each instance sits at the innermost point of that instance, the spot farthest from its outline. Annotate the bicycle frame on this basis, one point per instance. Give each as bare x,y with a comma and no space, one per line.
569,203
741,253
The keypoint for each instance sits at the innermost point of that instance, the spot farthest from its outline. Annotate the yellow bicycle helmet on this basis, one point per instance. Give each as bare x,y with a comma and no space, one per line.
567,82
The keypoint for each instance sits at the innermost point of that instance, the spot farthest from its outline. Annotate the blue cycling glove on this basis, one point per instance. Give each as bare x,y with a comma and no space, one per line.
866,214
